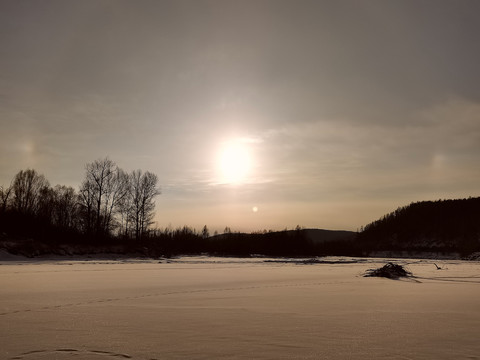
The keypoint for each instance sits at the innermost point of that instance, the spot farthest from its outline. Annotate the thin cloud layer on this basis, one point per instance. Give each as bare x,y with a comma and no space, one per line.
344,105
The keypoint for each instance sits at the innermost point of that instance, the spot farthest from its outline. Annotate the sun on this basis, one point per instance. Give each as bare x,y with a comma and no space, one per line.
234,162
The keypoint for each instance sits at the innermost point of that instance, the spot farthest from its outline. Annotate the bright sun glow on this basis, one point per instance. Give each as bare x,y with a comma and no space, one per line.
234,162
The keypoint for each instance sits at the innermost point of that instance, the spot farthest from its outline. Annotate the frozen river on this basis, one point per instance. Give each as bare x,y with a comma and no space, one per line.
216,308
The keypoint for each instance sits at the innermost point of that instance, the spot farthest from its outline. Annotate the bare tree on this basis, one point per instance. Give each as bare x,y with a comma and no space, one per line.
4,197
86,201
124,210
104,187
110,198
99,174
205,232
143,189
117,191
27,188
65,210
46,204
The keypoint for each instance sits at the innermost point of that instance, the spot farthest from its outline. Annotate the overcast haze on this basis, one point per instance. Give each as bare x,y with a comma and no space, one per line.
347,109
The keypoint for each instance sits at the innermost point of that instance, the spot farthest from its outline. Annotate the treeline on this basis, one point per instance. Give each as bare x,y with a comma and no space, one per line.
270,243
109,204
289,243
113,211
439,226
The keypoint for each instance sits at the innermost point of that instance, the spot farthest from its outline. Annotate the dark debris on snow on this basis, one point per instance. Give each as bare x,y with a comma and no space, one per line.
389,270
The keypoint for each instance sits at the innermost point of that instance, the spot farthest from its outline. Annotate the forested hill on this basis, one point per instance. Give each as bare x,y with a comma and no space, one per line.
443,226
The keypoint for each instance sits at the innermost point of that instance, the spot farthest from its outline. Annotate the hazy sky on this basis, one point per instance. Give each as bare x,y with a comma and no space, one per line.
336,112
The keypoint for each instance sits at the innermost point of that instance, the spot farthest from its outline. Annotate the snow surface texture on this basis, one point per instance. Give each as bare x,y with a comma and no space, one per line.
211,308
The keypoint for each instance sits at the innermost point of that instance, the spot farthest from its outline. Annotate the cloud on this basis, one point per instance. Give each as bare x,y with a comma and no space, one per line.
355,159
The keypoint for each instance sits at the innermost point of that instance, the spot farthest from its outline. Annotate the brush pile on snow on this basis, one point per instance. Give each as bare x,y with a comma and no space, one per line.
389,270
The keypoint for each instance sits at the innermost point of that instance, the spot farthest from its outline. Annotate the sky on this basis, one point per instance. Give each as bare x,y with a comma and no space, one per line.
253,114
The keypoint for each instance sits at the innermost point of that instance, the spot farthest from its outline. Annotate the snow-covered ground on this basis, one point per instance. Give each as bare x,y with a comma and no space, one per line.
227,308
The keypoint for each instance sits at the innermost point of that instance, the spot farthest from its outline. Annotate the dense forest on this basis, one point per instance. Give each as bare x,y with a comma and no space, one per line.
113,211
435,226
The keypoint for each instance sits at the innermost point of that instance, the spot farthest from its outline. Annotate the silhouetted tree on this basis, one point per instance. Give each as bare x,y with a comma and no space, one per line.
5,194
86,200
27,188
109,197
65,210
124,210
118,188
205,232
46,204
141,200
104,187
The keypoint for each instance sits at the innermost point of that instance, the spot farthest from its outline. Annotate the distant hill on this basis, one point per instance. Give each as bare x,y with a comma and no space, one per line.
314,235
439,226
318,236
